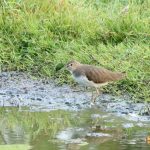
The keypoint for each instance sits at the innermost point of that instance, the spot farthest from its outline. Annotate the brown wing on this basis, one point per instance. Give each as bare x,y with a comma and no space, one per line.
101,75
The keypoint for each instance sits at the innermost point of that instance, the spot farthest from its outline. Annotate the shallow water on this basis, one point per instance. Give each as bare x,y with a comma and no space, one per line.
89,129
114,122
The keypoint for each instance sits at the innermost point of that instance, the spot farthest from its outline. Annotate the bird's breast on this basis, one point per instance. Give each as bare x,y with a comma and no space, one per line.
83,80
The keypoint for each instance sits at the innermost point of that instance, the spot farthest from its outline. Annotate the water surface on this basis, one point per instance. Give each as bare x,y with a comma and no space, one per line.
89,129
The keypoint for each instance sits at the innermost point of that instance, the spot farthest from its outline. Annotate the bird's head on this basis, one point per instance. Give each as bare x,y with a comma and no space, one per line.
72,65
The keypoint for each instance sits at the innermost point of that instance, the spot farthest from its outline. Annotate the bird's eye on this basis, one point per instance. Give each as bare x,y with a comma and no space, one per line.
70,64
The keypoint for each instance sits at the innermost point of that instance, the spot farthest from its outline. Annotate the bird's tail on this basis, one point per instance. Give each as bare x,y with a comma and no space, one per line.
119,75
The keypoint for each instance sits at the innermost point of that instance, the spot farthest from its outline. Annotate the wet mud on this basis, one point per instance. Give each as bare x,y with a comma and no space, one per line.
20,89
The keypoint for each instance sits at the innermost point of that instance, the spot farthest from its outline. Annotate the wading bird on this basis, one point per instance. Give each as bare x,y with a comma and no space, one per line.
92,76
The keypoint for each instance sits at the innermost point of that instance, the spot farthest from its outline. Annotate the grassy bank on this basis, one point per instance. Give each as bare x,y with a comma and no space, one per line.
41,36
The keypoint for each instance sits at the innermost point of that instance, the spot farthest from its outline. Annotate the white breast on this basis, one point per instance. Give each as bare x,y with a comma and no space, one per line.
83,80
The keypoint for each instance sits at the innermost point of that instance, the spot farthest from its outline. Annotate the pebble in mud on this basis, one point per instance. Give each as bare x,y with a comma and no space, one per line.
22,89
98,134
68,104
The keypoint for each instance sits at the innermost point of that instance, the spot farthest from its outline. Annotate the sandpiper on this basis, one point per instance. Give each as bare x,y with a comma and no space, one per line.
92,76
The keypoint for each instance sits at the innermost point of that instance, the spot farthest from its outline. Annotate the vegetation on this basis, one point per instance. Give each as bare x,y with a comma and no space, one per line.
41,36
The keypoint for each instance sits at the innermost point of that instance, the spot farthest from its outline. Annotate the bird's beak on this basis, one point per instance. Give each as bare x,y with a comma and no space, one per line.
66,66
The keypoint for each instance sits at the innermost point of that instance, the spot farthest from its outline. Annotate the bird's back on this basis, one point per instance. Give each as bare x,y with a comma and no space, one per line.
97,75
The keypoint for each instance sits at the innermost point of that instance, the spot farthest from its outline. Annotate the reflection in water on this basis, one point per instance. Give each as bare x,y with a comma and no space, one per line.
15,135
61,130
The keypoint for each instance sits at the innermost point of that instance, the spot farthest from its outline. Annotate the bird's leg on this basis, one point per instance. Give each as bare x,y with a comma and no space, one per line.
93,98
97,93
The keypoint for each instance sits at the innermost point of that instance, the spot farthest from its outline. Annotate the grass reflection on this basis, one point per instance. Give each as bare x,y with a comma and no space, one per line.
40,129
48,123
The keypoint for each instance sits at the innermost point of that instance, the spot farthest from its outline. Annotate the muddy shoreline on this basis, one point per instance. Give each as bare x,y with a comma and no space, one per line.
20,89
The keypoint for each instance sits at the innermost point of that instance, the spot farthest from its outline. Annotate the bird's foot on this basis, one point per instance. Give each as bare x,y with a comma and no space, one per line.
78,89
92,104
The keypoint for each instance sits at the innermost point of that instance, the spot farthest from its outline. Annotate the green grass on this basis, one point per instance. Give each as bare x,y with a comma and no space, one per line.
41,36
